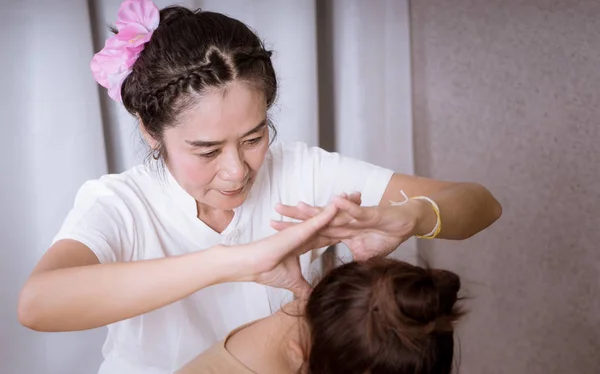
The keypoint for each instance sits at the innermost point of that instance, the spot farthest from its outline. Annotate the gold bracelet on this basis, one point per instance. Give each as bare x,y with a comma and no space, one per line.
438,224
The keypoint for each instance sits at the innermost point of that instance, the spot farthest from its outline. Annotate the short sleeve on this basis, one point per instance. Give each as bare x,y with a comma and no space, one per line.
321,174
100,220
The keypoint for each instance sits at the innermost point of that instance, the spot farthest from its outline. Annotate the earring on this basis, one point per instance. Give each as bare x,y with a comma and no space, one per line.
156,154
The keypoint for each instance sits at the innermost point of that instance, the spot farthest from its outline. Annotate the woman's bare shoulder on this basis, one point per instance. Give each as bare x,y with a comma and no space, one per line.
258,342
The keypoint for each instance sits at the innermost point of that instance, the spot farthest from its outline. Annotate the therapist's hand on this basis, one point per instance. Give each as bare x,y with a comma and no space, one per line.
274,261
372,231
303,211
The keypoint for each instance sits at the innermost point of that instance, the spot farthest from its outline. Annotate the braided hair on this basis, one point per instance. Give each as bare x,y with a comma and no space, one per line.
190,54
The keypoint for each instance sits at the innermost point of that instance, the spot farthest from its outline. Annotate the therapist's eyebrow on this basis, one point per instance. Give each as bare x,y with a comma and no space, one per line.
257,128
207,144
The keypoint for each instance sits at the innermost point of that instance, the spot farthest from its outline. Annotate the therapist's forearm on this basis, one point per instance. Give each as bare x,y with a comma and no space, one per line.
86,297
465,209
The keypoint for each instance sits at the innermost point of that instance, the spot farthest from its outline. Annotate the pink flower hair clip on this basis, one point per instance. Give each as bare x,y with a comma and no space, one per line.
136,21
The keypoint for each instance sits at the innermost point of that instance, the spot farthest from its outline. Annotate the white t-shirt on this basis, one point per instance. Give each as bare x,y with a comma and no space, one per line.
139,215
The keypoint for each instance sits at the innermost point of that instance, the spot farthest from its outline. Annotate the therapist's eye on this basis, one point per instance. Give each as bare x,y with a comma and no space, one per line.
209,155
253,141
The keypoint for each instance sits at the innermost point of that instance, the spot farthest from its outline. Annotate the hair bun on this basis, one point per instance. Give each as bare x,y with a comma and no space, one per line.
448,285
424,298
416,296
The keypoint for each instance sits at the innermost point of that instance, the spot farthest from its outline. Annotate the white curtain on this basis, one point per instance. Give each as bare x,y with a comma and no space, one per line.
344,72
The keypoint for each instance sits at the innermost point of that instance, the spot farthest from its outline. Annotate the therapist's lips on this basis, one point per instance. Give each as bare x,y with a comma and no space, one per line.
236,192
233,192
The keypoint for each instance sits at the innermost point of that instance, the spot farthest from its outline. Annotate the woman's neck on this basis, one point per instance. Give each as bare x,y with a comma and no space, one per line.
264,347
216,219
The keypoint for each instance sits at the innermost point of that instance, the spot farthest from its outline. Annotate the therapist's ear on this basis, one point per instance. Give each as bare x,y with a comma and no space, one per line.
149,139
296,355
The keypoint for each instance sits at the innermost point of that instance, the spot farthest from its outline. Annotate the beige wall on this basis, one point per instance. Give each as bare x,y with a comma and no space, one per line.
506,92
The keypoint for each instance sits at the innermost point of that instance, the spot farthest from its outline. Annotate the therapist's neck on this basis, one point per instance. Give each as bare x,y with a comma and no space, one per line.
216,219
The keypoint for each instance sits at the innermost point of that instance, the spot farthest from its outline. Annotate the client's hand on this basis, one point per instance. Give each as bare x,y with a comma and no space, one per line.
367,231
274,261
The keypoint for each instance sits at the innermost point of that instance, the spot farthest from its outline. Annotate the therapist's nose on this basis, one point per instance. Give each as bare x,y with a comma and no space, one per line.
234,168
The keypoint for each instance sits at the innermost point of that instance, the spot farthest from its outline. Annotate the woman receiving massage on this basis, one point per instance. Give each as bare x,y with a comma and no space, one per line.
381,316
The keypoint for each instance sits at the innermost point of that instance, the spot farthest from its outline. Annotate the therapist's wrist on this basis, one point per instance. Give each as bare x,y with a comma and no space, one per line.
423,216
226,263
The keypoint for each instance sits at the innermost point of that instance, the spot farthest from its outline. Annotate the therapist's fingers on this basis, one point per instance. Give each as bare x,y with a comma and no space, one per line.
319,241
327,236
303,211
308,210
340,218
296,235
350,208
293,212
355,197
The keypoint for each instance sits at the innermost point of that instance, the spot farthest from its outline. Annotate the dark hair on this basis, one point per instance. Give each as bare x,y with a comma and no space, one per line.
188,55
382,316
